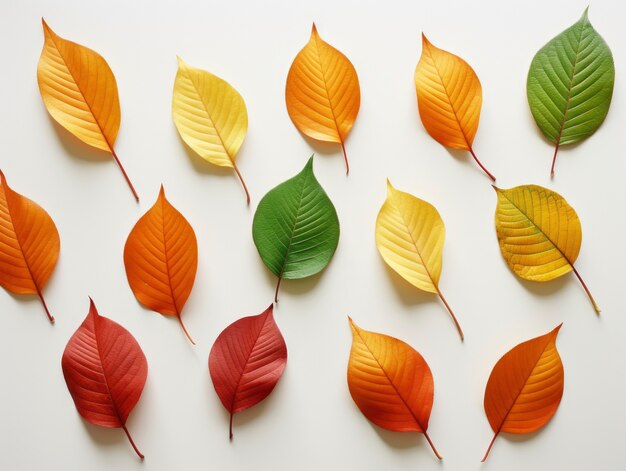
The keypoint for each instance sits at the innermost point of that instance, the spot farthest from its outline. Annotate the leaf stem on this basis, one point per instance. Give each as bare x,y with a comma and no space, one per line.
432,445
230,428
490,445
119,164
280,278
345,157
180,320
556,150
140,454
456,322
242,183
493,179
45,306
593,301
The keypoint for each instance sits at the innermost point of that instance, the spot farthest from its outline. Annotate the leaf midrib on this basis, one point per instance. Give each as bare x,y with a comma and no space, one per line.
571,84
571,264
445,88
106,139
217,131
417,421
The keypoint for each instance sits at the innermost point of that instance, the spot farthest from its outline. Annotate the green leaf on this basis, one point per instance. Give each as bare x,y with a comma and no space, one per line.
295,228
570,84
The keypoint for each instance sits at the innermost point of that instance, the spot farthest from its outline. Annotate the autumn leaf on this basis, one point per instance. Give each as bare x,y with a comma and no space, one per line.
246,361
390,383
210,116
322,93
80,93
539,234
525,387
105,371
570,85
409,236
161,259
449,98
29,244
295,228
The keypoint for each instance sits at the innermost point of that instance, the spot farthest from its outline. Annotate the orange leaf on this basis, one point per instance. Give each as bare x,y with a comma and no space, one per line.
390,382
29,244
322,93
449,97
80,93
161,259
525,387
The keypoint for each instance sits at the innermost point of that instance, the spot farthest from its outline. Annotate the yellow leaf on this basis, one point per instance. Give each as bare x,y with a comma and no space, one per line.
322,93
210,116
539,234
409,237
80,93
449,97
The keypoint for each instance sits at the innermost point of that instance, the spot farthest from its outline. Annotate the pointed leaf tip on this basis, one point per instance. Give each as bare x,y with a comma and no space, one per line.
425,41
314,30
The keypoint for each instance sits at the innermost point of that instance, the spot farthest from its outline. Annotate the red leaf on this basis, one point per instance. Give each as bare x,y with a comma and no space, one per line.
105,371
246,361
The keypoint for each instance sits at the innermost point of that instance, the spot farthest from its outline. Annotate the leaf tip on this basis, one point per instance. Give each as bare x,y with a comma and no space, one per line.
425,41
3,179
162,192
556,330
585,14
314,32
92,307
181,63
309,163
390,187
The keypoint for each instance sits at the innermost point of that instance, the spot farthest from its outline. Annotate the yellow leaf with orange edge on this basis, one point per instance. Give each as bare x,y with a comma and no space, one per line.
79,91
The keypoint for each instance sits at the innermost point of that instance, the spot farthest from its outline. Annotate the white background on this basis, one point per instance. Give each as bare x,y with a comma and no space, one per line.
310,421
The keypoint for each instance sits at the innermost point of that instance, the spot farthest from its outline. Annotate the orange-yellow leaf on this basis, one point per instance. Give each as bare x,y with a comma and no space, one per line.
29,244
322,93
80,93
449,97
525,387
161,258
390,382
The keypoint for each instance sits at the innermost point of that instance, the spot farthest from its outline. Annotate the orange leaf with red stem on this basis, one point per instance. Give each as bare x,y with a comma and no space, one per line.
29,244
161,259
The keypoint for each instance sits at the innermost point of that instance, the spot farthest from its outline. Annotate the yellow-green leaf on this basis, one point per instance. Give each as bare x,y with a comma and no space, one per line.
539,233
409,236
210,116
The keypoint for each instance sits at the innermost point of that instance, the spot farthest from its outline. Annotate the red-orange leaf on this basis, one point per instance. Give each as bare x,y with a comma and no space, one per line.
525,387
161,259
29,244
105,371
390,382
246,361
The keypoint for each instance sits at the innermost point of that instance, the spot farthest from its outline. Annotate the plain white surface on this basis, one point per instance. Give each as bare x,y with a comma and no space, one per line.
310,421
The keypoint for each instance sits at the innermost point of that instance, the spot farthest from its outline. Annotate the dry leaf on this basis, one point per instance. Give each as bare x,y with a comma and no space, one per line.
80,93
409,237
105,371
390,382
322,93
449,97
29,244
161,259
525,387
210,116
539,234
246,361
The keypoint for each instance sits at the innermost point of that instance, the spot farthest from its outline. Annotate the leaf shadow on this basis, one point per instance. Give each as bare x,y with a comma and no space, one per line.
408,294
547,288
245,417
202,166
76,148
403,440
105,436
322,147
